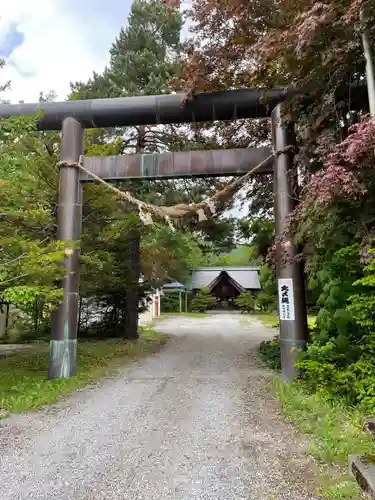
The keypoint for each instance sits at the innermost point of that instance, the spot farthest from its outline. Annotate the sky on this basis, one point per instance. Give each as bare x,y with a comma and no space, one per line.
48,43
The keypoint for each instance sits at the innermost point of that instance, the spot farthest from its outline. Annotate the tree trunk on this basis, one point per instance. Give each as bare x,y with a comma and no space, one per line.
132,293
80,315
134,259
36,316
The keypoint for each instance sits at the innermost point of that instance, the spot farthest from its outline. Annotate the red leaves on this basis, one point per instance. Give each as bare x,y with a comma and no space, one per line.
172,4
331,183
359,143
342,178
262,38
309,22
300,33
337,179
352,14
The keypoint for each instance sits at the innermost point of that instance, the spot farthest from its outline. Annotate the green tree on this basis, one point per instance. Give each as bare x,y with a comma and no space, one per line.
30,262
241,255
203,301
246,302
143,59
361,304
266,299
260,231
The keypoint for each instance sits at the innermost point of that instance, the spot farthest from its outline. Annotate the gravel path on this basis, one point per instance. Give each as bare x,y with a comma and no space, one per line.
195,421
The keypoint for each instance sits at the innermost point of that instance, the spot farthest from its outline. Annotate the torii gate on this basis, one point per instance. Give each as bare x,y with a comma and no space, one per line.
72,117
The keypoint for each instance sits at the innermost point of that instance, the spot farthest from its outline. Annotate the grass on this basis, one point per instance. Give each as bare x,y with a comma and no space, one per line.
272,320
23,375
268,319
187,314
335,432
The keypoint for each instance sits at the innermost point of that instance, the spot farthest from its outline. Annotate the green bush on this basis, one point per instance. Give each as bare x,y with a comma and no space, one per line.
266,299
270,353
170,303
203,301
339,359
246,302
265,302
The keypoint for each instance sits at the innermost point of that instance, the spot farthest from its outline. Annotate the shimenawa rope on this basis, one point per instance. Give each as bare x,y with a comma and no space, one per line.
146,210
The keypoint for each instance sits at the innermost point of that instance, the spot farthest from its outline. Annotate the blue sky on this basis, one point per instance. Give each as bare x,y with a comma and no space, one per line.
11,39
48,43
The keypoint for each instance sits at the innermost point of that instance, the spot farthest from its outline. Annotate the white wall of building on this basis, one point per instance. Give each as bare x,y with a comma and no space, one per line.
153,309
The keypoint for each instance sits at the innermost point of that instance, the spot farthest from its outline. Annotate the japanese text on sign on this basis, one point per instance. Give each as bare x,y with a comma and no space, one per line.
286,299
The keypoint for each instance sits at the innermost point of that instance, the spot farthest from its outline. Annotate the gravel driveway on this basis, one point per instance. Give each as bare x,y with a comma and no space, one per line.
195,421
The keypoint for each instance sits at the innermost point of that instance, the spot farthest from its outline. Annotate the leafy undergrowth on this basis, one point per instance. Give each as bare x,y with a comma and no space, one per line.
335,432
269,351
23,375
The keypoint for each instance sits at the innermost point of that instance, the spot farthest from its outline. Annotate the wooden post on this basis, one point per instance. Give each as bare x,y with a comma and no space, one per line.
63,344
291,290
370,74
134,258
6,319
180,294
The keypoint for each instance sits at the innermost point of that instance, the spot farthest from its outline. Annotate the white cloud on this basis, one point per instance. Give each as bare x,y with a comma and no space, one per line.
64,41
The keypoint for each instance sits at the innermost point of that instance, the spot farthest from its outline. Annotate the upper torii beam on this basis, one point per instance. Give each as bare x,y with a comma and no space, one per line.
151,110
167,108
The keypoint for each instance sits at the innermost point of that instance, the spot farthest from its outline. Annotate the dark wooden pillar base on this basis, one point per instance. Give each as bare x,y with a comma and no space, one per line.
62,358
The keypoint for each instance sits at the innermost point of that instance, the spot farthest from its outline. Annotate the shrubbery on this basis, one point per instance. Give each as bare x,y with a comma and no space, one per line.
202,301
270,353
339,361
170,303
245,302
340,358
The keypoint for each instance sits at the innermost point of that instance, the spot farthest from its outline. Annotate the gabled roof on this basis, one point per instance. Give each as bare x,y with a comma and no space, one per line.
225,275
174,284
246,277
174,287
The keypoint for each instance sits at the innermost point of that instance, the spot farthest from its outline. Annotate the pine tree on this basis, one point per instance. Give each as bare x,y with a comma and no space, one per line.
147,50
143,59
203,301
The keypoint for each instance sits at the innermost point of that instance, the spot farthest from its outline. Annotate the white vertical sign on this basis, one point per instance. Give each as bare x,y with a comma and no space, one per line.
286,299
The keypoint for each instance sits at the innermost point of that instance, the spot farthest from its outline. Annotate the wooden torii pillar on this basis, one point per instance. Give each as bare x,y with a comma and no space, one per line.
289,271
63,344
